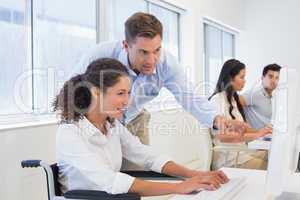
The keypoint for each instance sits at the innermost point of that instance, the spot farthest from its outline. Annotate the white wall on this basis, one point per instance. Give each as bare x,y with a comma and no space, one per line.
20,144
39,142
227,12
271,34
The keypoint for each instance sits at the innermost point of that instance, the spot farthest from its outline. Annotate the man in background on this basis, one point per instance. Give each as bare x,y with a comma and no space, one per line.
257,102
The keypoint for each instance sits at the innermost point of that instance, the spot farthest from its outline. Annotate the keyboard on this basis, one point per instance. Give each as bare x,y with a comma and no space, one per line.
267,138
226,192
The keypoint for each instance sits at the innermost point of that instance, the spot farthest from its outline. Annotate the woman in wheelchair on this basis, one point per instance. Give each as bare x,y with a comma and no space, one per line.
232,80
91,141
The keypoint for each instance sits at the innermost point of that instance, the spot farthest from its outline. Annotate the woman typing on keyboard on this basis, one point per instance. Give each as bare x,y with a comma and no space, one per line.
232,151
91,141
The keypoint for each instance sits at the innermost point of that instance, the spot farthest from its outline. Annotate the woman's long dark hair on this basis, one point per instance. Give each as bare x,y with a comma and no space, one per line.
75,97
230,69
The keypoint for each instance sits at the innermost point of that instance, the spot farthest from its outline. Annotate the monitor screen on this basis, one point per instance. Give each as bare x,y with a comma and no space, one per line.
283,155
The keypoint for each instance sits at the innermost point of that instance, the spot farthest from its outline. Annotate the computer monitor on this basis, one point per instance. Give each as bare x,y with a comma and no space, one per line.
284,153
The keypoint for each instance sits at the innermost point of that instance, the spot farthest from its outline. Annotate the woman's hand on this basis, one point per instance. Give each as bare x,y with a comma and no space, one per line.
255,134
198,180
208,182
219,174
227,125
266,130
231,137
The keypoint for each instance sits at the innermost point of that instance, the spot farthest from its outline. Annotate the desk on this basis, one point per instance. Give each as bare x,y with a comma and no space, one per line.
255,184
259,144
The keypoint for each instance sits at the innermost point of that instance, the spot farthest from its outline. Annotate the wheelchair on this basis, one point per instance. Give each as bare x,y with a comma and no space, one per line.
54,192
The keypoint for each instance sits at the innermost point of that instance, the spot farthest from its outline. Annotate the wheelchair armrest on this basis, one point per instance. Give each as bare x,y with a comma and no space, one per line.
96,195
30,163
150,175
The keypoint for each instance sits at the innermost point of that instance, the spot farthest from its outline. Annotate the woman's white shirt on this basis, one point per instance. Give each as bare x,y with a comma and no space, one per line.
222,106
88,159
227,158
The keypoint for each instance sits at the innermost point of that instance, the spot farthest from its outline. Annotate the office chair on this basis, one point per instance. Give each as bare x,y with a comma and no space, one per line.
229,147
54,192
232,148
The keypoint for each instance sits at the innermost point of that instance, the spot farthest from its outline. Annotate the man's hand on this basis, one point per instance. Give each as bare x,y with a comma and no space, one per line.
229,126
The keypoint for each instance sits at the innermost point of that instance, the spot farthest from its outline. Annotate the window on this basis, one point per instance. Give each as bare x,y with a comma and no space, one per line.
120,10
219,46
41,41
55,54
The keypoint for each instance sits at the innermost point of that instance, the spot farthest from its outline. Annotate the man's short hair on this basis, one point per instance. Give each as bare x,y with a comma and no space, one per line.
271,67
142,25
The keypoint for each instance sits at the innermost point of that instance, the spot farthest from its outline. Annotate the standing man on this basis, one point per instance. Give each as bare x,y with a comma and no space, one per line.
151,68
258,101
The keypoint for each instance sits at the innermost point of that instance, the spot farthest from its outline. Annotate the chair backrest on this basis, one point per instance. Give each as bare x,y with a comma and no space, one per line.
177,133
57,185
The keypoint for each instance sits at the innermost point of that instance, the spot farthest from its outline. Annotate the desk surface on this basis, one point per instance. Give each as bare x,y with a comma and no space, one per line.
255,183
259,144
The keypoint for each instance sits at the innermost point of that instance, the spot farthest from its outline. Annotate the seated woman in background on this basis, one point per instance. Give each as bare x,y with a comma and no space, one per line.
91,141
226,99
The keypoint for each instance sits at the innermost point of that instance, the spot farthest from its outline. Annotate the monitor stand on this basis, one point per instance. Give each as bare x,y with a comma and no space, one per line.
288,196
